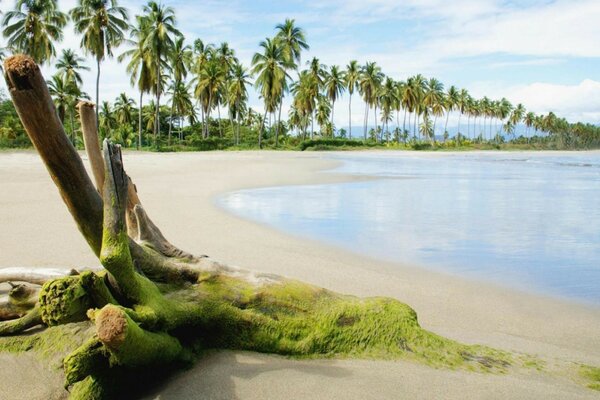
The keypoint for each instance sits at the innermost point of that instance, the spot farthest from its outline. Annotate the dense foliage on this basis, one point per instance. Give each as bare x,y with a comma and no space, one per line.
204,90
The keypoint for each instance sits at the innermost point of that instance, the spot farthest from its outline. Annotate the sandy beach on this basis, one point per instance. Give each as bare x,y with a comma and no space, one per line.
179,192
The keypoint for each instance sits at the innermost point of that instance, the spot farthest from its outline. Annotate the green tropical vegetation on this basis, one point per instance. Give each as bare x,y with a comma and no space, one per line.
201,92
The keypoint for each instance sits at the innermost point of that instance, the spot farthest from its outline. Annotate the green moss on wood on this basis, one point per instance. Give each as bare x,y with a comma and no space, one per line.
64,300
298,319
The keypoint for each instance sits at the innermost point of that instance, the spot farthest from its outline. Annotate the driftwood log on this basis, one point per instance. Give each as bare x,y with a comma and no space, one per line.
154,305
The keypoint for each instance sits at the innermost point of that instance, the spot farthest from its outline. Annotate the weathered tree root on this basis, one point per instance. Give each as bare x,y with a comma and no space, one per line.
154,305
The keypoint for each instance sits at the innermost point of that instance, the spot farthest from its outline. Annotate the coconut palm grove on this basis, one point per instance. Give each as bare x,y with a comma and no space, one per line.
189,94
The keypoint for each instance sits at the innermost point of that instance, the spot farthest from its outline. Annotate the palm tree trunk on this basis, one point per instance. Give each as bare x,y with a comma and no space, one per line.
260,133
157,111
139,145
446,124
312,126
219,115
171,120
278,122
459,117
97,93
415,117
72,128
180,129
433,133
208,110
237,136
332,111
398,123
366,119
350,116
376,125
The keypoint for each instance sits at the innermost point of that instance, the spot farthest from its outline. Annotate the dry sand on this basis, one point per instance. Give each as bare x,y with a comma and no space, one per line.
179,192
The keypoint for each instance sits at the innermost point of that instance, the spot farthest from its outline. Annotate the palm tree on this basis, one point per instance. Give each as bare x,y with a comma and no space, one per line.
139,66
209,86
181,104
102,23
202,54
306,91
529,121
237,93
180,59
64,92
33,26
160,30
452,100
387,97
123,109
334,86
462,106
433,101
369,83
322,114
293,39
107,119
351,77
226,57
69,64
316,73
417,92
270,67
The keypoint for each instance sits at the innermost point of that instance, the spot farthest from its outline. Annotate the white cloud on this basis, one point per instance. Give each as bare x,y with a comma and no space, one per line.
579,102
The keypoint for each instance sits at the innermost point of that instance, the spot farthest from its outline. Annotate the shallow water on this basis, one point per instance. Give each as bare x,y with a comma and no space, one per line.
527,220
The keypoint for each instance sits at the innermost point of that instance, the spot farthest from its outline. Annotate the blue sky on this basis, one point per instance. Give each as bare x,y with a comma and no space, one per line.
545,54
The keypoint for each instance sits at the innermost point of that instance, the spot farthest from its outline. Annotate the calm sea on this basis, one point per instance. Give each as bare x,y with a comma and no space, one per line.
527,220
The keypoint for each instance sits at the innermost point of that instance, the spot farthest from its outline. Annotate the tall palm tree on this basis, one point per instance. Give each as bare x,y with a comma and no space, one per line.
433,100
202,54
462,106
517,115
270,67
139,67
387,97
226,57
160,32
180,59
369,83
351,77
334,86
69,65
209,86
316,73
451,103
102,24
417,92
529,121
237,93
293,41
306,91
293,38
33,27
182,104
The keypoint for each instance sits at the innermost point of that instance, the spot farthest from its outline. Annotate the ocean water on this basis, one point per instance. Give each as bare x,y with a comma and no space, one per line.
525,220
